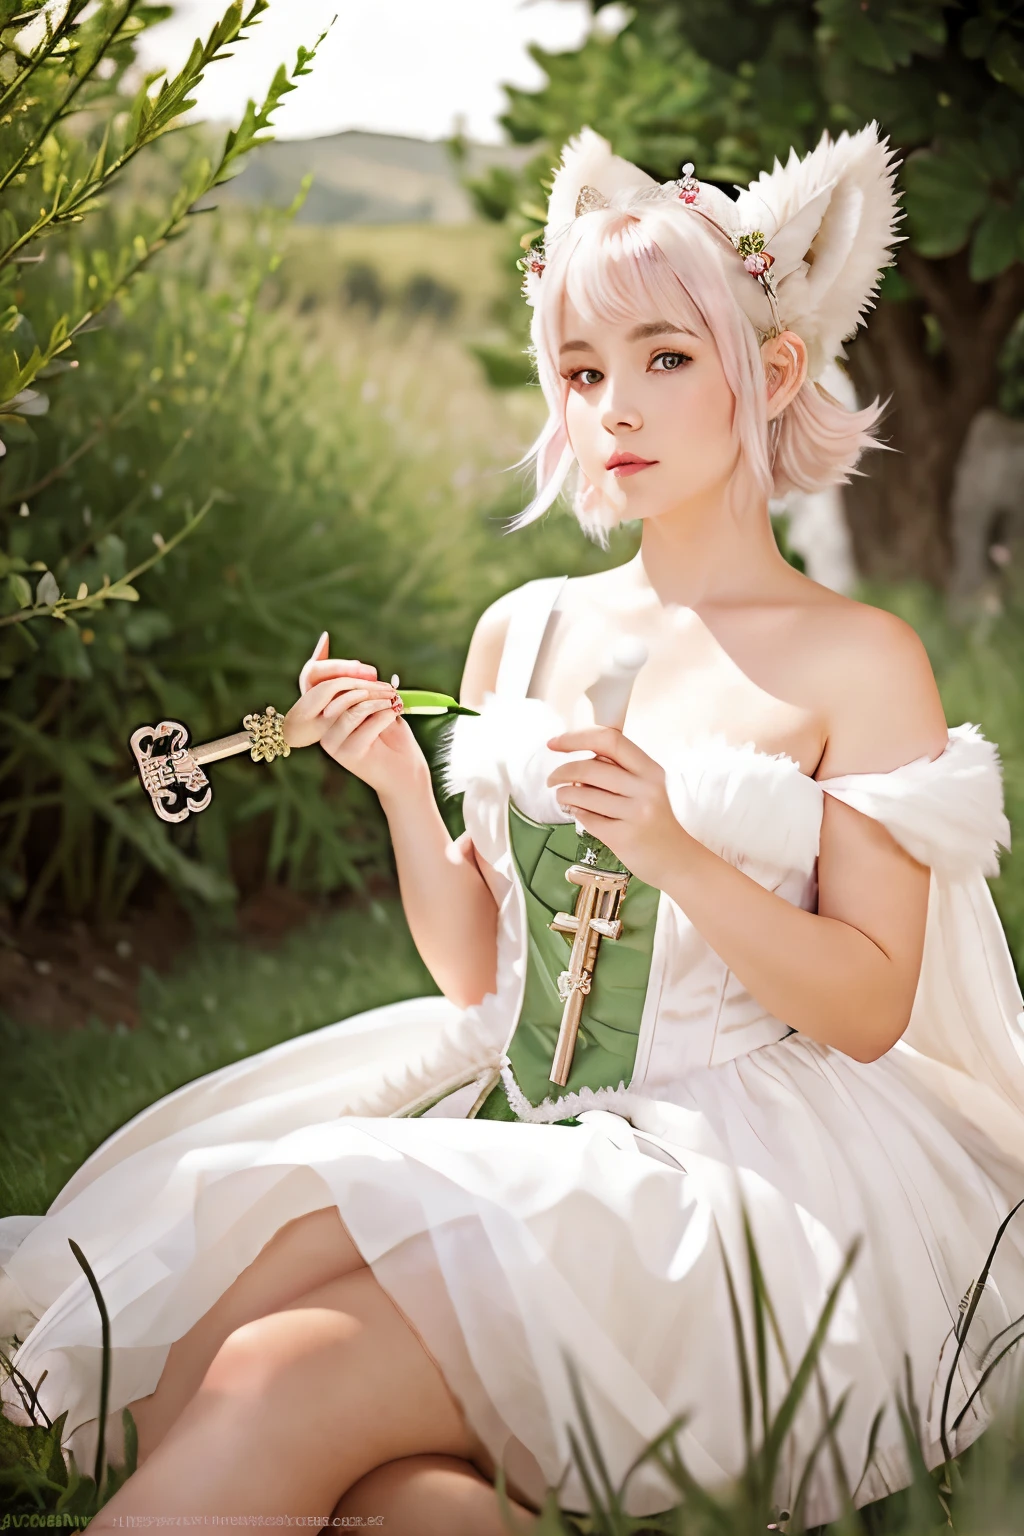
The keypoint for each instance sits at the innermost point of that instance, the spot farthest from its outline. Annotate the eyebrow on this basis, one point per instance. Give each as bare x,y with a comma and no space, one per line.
638,333
656,328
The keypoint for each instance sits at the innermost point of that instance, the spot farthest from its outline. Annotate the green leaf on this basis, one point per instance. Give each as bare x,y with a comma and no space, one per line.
421,701
945,196
996,241
20,590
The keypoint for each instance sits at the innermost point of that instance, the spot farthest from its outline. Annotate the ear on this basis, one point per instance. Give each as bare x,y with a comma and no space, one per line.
785,366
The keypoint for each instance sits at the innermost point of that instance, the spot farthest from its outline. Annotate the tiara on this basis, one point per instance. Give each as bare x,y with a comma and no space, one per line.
811,236
686,189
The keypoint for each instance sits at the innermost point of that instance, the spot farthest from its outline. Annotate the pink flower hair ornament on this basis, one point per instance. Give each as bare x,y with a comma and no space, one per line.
811,237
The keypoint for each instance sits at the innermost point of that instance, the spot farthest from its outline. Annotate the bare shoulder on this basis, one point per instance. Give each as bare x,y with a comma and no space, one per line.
481,670
877,688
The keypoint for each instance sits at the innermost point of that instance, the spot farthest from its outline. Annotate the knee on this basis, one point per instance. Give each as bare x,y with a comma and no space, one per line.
263,1356
432,1494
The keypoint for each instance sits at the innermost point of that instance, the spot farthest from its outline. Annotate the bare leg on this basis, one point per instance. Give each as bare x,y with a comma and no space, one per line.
432,1496
296,1407
301,1256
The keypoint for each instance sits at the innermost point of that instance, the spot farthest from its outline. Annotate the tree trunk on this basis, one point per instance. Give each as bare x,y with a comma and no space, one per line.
899,513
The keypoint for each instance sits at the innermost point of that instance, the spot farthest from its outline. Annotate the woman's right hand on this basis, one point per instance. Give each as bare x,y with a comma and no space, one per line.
356,719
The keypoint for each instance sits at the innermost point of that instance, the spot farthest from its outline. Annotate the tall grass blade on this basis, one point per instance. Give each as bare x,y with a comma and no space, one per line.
961,1337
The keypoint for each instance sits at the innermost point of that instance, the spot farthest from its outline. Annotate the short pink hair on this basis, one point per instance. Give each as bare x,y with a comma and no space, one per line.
661,262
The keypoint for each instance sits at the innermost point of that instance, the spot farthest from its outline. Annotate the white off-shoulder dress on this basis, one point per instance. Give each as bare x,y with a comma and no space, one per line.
510,1246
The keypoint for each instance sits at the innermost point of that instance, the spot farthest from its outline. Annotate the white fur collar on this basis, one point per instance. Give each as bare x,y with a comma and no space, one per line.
746,804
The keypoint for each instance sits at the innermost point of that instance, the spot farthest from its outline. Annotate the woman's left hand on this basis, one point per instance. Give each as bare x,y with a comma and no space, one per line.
622,800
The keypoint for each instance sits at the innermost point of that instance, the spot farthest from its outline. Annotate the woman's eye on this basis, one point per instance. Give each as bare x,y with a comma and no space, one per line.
673,361
577,377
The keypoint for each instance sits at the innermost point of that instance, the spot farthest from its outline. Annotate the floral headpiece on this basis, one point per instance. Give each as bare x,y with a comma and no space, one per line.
813,236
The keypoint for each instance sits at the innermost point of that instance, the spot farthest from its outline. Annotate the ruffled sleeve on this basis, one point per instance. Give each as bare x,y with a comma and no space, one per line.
947,812
965,1038
756,810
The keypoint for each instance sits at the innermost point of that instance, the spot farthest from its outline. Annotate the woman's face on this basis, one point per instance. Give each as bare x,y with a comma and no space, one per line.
650,392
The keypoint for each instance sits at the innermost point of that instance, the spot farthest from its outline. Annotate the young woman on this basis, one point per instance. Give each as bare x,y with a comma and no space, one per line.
356,1273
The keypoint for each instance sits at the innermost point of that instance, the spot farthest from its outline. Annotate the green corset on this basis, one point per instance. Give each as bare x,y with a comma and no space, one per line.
606,1044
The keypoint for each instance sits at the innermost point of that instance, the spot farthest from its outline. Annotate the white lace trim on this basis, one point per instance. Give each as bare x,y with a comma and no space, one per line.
569,1104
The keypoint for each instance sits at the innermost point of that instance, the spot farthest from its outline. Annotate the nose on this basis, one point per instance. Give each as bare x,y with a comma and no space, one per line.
618,414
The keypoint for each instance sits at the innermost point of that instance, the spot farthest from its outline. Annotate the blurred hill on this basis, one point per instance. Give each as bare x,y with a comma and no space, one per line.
369,178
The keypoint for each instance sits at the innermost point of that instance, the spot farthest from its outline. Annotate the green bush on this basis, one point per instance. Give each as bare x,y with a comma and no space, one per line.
77,516
189,494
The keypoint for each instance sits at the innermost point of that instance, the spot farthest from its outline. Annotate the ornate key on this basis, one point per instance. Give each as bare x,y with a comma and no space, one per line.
172,772
595,918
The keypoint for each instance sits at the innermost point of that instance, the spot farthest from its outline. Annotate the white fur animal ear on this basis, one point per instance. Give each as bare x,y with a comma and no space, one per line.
829,220
588,161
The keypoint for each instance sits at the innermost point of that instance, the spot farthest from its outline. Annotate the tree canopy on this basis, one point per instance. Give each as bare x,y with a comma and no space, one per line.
733,84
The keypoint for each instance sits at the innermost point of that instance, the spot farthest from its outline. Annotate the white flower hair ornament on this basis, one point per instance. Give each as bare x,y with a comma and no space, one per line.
811,238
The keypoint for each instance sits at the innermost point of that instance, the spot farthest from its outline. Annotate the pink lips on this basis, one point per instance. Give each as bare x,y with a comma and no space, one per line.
621,464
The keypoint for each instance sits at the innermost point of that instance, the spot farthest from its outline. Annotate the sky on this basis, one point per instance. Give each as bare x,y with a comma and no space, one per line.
387,66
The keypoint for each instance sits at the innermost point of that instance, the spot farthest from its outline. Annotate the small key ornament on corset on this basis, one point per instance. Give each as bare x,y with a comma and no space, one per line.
594,918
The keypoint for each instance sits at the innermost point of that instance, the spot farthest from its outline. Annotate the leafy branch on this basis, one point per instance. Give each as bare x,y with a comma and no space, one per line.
150,119
48,49
55,36
51,603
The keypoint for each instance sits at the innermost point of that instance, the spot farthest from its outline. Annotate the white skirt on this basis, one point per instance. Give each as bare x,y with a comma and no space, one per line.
510,1247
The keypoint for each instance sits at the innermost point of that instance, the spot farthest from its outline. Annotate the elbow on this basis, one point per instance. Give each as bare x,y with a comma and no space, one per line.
880,1020
886,1032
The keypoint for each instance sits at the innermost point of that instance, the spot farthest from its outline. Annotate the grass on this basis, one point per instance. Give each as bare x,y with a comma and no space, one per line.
64,1094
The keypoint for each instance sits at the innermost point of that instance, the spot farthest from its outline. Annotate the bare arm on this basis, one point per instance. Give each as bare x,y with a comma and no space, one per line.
846,975
448,903
449,906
